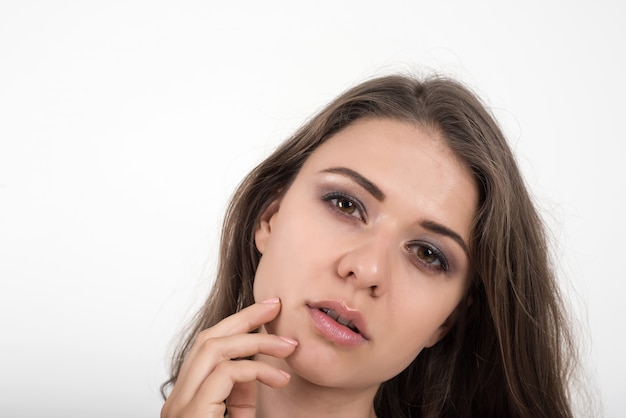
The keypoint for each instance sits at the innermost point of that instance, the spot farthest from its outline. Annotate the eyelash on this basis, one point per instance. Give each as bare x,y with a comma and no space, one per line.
440,264
413,249
334,198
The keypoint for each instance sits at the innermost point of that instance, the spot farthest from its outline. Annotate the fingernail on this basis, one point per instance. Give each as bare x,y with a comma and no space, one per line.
284,373
270,301
288,340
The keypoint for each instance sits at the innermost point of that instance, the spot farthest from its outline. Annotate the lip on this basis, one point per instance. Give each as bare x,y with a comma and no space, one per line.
334,331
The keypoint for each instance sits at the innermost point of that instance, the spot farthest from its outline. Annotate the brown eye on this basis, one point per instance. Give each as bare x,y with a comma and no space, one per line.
427,255
346,205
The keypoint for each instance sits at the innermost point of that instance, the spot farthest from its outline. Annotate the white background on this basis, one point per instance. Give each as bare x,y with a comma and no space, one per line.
125,126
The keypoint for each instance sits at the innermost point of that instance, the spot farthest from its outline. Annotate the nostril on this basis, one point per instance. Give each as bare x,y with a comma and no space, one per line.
351,275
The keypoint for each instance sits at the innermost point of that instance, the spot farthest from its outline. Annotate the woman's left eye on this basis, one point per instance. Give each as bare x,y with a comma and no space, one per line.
345,205
429,256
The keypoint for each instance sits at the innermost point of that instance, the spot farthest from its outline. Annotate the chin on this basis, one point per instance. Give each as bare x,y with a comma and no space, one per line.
323,366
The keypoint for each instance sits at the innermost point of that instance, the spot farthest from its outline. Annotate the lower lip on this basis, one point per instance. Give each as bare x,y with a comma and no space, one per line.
334,331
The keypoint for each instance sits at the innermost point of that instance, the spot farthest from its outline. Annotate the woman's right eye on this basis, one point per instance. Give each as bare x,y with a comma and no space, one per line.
345,204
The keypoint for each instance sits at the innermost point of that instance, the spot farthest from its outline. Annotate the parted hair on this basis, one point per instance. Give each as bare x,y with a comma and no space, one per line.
510,352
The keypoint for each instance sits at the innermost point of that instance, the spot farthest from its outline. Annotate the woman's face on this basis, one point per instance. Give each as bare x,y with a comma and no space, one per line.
367,250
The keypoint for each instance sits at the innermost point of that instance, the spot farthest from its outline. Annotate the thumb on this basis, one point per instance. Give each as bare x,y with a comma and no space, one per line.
241,402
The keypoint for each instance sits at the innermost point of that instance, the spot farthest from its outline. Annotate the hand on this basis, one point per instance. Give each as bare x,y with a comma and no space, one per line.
211,378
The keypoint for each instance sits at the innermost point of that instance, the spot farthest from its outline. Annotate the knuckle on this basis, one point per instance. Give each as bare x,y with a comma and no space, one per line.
209,348
204,334
223,367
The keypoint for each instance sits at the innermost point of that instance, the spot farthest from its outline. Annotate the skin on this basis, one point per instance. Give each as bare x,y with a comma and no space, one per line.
376,253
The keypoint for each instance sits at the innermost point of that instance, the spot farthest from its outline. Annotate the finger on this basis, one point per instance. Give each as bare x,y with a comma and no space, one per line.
241,322
218,386
246,320
217,350
241,402
199,362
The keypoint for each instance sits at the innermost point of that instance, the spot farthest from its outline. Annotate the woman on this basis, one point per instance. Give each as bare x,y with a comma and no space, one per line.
399,269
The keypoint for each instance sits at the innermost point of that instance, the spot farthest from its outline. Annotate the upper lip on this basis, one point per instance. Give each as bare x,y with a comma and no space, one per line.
346,312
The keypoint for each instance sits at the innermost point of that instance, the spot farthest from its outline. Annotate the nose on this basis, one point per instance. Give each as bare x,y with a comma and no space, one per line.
367,263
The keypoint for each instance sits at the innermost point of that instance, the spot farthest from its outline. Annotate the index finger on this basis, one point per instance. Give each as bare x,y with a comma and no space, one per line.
246,320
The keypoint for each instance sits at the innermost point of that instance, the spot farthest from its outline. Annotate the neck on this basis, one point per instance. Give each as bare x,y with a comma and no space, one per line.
303,399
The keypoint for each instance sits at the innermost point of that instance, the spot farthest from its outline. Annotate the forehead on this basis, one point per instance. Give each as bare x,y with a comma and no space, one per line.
390,143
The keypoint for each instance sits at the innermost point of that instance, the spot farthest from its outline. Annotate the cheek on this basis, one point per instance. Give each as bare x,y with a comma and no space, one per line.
265,285
420,314
298,251
418,326
285,264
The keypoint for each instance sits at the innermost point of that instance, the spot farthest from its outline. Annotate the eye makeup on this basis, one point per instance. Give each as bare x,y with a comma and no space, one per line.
345,205
428,256
345,196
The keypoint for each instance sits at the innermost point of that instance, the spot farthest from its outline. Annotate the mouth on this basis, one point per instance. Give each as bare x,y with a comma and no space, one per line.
346,320
340,319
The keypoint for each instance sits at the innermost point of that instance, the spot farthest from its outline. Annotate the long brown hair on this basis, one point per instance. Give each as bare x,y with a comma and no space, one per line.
510,352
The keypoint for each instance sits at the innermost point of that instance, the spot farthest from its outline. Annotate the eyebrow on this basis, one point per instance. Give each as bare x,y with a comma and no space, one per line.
442,230
362,181
378,194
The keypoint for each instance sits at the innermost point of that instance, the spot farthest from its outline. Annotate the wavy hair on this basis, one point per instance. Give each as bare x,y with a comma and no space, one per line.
510,352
